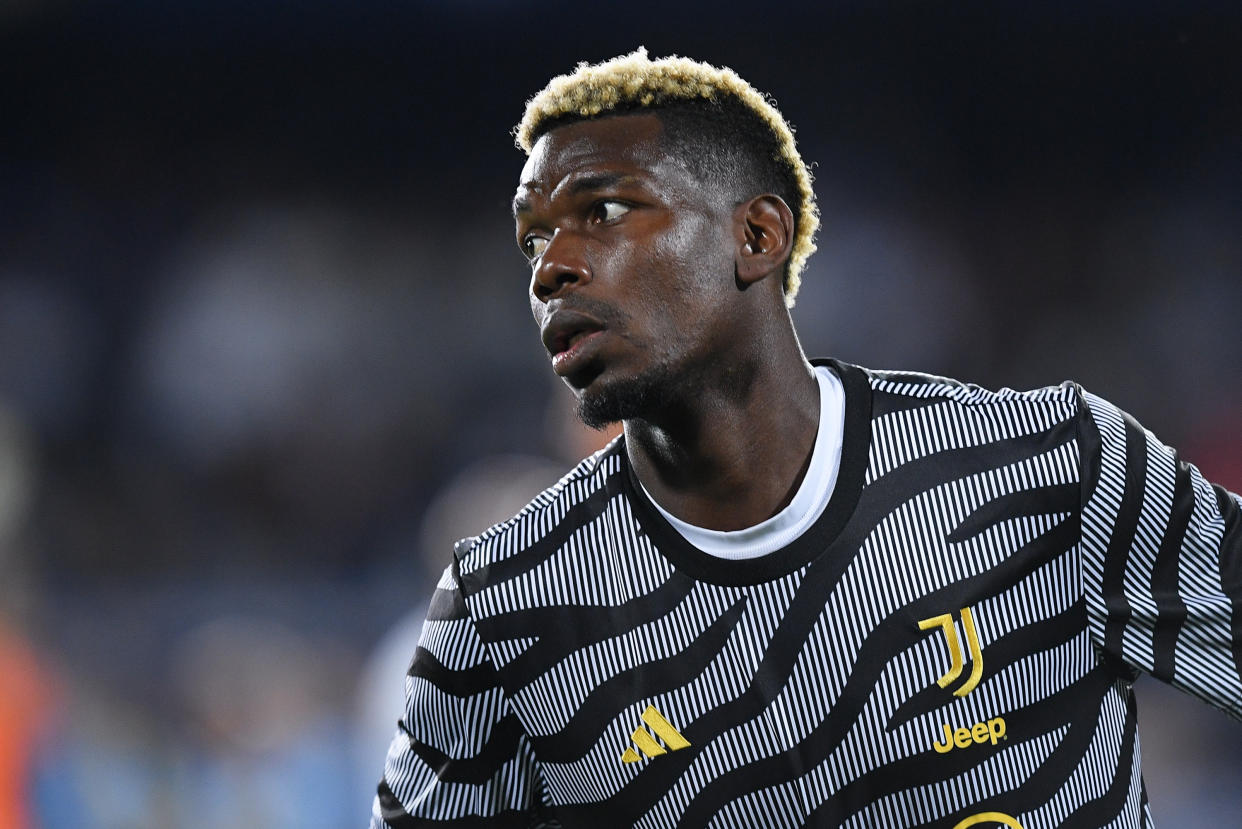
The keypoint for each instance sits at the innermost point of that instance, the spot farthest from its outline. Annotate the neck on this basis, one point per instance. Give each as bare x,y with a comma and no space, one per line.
735,453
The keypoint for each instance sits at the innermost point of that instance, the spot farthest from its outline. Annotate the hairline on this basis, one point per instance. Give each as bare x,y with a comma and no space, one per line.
669,145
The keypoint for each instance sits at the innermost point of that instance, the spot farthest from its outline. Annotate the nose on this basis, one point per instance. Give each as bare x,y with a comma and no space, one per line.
563,264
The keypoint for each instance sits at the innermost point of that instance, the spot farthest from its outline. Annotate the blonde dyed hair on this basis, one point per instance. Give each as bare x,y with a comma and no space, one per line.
634,81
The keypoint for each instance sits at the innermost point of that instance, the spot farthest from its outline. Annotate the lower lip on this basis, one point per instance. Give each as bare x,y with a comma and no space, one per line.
564,362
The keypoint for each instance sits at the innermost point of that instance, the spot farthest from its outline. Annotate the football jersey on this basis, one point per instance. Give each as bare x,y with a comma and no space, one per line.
951,644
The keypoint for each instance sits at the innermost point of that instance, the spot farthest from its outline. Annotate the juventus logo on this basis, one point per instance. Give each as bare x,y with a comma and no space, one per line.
647,744
956,659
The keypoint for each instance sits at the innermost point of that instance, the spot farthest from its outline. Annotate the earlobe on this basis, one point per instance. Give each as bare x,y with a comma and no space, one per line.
765,229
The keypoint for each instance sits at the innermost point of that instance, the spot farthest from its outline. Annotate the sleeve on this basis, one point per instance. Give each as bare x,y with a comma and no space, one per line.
1162,560
459,758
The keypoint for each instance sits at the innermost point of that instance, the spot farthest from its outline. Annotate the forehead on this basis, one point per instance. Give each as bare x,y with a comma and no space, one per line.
620,143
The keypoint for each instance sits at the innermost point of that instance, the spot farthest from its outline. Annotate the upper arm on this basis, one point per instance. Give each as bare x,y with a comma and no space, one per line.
1162,559
459,757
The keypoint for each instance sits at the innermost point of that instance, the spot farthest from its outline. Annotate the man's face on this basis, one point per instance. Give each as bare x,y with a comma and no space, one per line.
631,265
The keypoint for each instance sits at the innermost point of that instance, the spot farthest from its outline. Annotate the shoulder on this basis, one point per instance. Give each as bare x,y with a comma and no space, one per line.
915,416
917,386
906,395
572,501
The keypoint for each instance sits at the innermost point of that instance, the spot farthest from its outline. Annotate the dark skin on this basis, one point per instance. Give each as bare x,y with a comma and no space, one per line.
660,299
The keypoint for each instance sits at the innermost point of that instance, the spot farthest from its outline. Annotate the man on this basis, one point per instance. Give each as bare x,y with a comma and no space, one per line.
793,593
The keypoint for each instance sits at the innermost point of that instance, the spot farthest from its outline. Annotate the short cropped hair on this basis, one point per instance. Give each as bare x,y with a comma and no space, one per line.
725,130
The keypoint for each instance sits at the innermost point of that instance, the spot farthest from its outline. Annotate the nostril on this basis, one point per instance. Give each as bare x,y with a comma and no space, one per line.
550,282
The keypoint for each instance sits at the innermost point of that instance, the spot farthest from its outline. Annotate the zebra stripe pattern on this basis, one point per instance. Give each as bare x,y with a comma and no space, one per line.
1082,550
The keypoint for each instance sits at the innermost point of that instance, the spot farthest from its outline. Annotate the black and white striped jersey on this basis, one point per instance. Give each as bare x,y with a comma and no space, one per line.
952,644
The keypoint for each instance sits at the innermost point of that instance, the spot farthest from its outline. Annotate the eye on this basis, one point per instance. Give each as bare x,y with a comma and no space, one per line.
534,246
606,211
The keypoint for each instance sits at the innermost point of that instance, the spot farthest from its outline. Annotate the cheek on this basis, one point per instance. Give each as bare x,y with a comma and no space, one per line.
696,275
668,277
699,252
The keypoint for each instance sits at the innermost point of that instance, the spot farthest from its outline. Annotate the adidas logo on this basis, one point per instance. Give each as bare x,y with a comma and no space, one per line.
647,744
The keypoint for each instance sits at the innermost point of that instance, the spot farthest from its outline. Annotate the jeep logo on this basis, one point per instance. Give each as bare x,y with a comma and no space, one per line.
980,732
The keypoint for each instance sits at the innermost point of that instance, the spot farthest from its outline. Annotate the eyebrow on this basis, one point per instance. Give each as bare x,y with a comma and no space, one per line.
581,183
598,181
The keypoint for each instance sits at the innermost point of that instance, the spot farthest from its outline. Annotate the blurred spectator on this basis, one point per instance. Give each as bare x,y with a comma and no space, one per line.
27,701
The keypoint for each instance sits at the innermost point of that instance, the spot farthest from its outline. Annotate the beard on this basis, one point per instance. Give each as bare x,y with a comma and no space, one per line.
651,391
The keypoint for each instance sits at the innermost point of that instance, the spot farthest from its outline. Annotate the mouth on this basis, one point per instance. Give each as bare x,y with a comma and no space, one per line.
567,342
567,336
567,361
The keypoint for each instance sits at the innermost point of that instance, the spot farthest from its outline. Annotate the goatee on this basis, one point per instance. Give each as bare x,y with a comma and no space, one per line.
652,391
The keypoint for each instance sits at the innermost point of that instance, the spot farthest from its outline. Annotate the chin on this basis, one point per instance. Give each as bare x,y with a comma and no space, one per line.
598,413
603,402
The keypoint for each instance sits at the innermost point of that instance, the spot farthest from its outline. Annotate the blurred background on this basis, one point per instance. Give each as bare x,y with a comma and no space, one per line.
265,349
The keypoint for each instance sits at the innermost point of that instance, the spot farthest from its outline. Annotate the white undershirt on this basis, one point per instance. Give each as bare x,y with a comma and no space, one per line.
808,502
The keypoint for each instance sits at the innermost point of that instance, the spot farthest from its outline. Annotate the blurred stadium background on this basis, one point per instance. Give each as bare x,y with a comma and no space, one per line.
264,345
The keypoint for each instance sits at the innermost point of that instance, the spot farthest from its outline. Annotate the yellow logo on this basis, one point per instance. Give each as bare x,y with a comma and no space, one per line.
647,744
990,817
980,732
956,660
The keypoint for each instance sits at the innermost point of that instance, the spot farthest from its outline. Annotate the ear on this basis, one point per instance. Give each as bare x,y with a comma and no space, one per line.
764,229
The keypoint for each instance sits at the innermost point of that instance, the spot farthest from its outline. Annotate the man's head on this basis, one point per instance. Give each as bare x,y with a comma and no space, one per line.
720,127
660,242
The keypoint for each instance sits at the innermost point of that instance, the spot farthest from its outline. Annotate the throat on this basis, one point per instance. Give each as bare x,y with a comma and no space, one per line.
726,505
736,469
